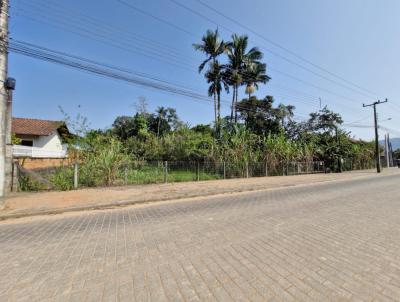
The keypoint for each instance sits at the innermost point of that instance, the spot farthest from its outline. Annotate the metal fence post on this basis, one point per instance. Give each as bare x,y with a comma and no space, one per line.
126,175
198,171
76,176
224,169
266,169
15,178
165,171
247,169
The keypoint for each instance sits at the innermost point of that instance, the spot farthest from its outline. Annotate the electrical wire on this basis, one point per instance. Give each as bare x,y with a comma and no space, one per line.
314,87
158,58
74,16
117,73
283,73
116,43
268,50
268,40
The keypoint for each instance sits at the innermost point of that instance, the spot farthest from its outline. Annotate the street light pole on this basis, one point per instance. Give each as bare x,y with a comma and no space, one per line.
377,153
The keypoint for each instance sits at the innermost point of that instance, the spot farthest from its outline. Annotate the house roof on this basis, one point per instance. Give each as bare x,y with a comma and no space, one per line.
28,126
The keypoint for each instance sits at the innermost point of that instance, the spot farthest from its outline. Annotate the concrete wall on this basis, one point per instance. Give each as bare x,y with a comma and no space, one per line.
41,163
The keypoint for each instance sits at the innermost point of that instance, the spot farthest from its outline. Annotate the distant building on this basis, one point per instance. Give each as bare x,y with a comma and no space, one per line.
40,138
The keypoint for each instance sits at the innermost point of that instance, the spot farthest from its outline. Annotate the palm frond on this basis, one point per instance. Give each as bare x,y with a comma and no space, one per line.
203,64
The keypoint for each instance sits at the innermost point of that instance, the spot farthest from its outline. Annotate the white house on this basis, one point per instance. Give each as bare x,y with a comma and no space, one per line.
39,138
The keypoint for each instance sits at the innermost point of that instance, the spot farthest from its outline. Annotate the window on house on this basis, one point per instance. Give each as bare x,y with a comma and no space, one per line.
27,143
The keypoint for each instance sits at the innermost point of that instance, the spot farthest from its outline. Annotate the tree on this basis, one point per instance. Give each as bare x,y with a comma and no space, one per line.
239,61
259,116
186,144
212,46
204,129
330,138
127,126
255,74
161,116
325,120
285,113
217,79
163,121
124,127
396,154
141,105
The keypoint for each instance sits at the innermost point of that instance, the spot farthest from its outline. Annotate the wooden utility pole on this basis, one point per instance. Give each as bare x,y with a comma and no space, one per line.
377,151
4,100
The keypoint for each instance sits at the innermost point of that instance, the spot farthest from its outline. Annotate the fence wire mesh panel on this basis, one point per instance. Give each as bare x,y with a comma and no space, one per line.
211,170
70,176
142,172
257,169
47,178
350,165
178,171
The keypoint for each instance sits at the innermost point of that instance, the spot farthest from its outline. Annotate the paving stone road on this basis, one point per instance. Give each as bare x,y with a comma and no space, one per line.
327,242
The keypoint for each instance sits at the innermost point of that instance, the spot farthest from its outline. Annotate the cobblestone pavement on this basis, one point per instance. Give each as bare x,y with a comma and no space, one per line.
326,242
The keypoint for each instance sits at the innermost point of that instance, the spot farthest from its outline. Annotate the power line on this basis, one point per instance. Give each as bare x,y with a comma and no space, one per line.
208,19
281,47
143,12
102,38
314,86
50,8
107,70
168,61
268,50
18,43
125,69
73,24
298,99
100,69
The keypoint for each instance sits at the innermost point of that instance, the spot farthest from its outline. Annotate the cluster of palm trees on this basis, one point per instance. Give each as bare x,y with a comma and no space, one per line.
243,67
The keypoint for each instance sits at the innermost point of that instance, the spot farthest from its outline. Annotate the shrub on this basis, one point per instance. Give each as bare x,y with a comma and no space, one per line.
27,183
63,178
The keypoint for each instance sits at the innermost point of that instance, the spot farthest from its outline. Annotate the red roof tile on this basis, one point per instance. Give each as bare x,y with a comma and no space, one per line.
27,126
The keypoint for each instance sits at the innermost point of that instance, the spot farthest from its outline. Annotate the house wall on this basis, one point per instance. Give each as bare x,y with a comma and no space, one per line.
49,143
26,137
52,142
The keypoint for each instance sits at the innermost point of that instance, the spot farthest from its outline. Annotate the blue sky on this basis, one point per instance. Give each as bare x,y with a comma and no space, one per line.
357,40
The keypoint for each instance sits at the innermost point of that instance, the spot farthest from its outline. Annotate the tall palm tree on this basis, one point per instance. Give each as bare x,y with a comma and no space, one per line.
239,60
212,46
166,116
161,115
255,74
217,79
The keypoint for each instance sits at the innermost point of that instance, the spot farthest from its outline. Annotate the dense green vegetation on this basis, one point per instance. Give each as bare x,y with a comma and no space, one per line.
396,154
256,136
135,148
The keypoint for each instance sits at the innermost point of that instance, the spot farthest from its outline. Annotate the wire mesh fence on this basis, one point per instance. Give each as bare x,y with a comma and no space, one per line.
68,177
